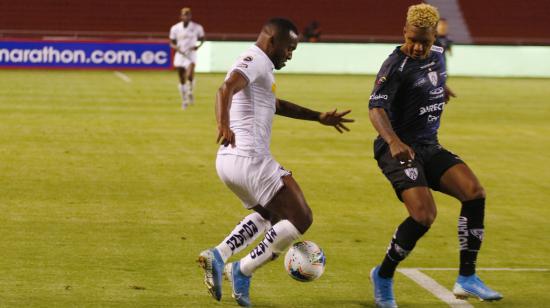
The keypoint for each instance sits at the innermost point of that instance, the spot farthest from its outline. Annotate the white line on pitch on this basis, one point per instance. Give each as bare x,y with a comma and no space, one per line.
495,269
435,288
123,76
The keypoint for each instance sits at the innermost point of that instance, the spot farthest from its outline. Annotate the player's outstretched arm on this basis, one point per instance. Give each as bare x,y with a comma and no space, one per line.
232,85
331,118
381,122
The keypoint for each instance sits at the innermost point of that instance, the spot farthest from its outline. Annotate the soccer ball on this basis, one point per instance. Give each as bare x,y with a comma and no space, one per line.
305,261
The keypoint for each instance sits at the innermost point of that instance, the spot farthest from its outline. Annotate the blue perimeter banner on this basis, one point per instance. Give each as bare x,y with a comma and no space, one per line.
85,54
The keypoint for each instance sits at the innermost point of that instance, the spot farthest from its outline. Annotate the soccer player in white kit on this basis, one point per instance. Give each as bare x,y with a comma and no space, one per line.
245,105
183,39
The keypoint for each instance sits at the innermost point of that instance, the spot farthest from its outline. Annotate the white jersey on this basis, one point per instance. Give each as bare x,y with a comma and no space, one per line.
252,108
187,37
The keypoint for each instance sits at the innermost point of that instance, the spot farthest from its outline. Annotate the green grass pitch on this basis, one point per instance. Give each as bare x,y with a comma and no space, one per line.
108,191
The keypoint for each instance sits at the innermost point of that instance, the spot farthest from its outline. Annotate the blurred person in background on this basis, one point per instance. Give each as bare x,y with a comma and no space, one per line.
441,39
183,39
312,33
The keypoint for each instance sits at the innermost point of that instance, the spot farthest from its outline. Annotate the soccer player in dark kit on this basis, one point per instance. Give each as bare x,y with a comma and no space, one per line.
405,108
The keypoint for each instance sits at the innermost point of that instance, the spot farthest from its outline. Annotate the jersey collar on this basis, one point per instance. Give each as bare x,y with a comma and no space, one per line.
399,51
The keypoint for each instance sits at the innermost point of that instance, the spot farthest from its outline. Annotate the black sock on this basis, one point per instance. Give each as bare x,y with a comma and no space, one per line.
470,234
403,241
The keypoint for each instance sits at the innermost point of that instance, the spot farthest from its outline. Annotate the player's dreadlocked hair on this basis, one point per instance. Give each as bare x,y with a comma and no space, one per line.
422,16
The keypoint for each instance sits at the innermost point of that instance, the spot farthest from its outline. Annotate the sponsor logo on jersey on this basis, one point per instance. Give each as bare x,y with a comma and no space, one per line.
379,96
242,65
437,91
433,78
427,65
432,118
431,108
419,82
248,58
273,87
437,48
412,173
433,98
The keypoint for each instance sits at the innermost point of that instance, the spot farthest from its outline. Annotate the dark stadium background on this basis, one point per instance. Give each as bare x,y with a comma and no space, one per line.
489,21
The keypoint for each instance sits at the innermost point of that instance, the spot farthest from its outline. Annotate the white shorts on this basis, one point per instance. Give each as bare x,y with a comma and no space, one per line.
185,60
255,180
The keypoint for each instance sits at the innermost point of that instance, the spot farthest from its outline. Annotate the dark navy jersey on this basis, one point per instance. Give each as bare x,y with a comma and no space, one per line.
413,95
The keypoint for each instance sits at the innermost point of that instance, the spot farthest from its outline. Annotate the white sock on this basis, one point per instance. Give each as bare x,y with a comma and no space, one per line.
183,91
277,240
190,85
243,235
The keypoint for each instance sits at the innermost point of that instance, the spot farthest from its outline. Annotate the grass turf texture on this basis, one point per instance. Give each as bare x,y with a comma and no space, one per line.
108,191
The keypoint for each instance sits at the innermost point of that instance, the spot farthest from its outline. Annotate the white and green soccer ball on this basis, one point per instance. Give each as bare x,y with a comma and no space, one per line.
305,261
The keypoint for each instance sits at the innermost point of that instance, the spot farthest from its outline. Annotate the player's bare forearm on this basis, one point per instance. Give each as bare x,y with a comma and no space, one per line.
291,110
330,118
223,101
381,122
235,83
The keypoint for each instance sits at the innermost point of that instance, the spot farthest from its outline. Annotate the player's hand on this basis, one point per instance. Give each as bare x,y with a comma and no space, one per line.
401,151
448,94
225,136
336,119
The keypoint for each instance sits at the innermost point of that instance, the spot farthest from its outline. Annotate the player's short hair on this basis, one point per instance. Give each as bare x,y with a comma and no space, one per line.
422,16
282,24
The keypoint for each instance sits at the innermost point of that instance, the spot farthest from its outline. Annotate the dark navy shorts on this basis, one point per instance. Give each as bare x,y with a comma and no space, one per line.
429,164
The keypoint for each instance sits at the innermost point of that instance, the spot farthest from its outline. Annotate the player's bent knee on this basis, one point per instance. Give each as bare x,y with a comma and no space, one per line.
424,216
475,192
305,219
308,217
426,220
